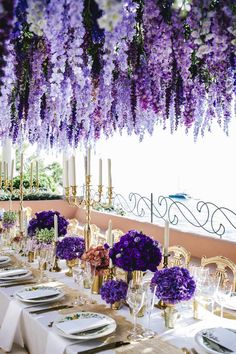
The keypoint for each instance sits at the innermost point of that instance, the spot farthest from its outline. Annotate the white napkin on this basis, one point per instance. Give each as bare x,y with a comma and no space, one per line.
4,258
34,294
12,272
10,325
224,337
231,302
81,325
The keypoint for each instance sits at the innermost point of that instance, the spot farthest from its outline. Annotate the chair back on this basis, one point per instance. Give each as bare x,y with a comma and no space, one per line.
179,256
225,269
117,233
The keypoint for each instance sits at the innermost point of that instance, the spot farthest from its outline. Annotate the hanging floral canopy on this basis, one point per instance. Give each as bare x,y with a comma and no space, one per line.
72,70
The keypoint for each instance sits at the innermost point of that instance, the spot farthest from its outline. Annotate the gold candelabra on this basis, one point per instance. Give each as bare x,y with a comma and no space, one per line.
110,194
55,267
88,204
100,188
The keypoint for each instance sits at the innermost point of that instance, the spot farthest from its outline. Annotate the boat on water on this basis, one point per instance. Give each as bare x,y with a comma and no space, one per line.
179,196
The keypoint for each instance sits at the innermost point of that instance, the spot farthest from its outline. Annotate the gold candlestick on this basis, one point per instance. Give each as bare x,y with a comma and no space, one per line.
67,194
74,197
87,230
109,196
165,261
55,267
100,187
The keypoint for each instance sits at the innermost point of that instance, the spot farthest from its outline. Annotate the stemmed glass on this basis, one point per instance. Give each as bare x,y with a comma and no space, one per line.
135,299
42,259
78,279
150,295
222,295
88,278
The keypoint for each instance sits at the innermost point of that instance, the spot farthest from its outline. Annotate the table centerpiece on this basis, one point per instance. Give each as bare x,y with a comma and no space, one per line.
98,257
114,293
173,285
70,248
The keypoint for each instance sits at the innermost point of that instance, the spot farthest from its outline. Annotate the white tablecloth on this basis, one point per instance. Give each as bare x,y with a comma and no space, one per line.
33,329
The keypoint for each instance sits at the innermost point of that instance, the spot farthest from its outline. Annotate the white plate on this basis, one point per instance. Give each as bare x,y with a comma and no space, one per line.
229,306
16,277
207,345
96,333
41,301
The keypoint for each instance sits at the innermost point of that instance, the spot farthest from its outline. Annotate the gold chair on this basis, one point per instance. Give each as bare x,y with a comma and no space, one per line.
117,233
179,256
223,267
74,227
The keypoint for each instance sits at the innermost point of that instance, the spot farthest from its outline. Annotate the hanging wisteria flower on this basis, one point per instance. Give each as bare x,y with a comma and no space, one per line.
98,257
70,248
45,220
9,219
173,285
113,291
136,251
45,235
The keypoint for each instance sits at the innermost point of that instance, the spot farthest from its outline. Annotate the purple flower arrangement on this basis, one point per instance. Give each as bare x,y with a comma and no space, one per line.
136,251
45,220
113,291
9,219
173,285
70,248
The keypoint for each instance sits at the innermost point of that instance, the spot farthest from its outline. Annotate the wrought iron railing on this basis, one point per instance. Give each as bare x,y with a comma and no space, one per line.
204,217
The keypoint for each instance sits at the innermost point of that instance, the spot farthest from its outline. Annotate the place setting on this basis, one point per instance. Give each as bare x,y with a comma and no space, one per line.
39,295
217,340
4,260
11,276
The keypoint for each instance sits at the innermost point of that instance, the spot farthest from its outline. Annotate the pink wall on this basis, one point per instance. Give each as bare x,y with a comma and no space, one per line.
198,245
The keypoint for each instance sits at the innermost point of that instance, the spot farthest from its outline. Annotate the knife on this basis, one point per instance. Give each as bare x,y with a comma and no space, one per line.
104,347
49,309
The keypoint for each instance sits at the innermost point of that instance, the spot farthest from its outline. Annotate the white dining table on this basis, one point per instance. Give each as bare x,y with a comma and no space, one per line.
32,330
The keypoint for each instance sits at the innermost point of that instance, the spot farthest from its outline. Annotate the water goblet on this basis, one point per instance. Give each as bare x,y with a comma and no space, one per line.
135,299
42,259
88,278
222,295
150,295
78,277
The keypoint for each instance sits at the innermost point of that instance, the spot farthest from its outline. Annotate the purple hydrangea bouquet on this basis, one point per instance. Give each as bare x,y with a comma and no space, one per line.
173,285
136,251
70,248
114,291
45,220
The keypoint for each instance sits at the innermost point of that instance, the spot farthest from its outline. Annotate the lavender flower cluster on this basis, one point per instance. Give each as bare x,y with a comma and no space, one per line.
136,251
70,248
45,220
73,70
173,285
113,291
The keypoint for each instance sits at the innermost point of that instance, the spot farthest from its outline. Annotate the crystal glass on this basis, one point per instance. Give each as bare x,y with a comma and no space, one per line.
135,299
43,255
88,278
78,277
149,304
222,295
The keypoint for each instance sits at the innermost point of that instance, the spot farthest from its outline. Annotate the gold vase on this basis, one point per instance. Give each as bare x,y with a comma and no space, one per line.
170,316
137,276
30,256
117,305
70,264
97,283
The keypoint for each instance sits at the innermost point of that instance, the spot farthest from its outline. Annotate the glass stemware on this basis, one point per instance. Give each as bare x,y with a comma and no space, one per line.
135,299
42,259
150,295
88,278
78,277
222,295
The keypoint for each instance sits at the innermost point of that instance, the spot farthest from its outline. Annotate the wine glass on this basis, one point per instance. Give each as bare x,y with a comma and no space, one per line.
88,278
222,295
78,277
135,299
150,295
